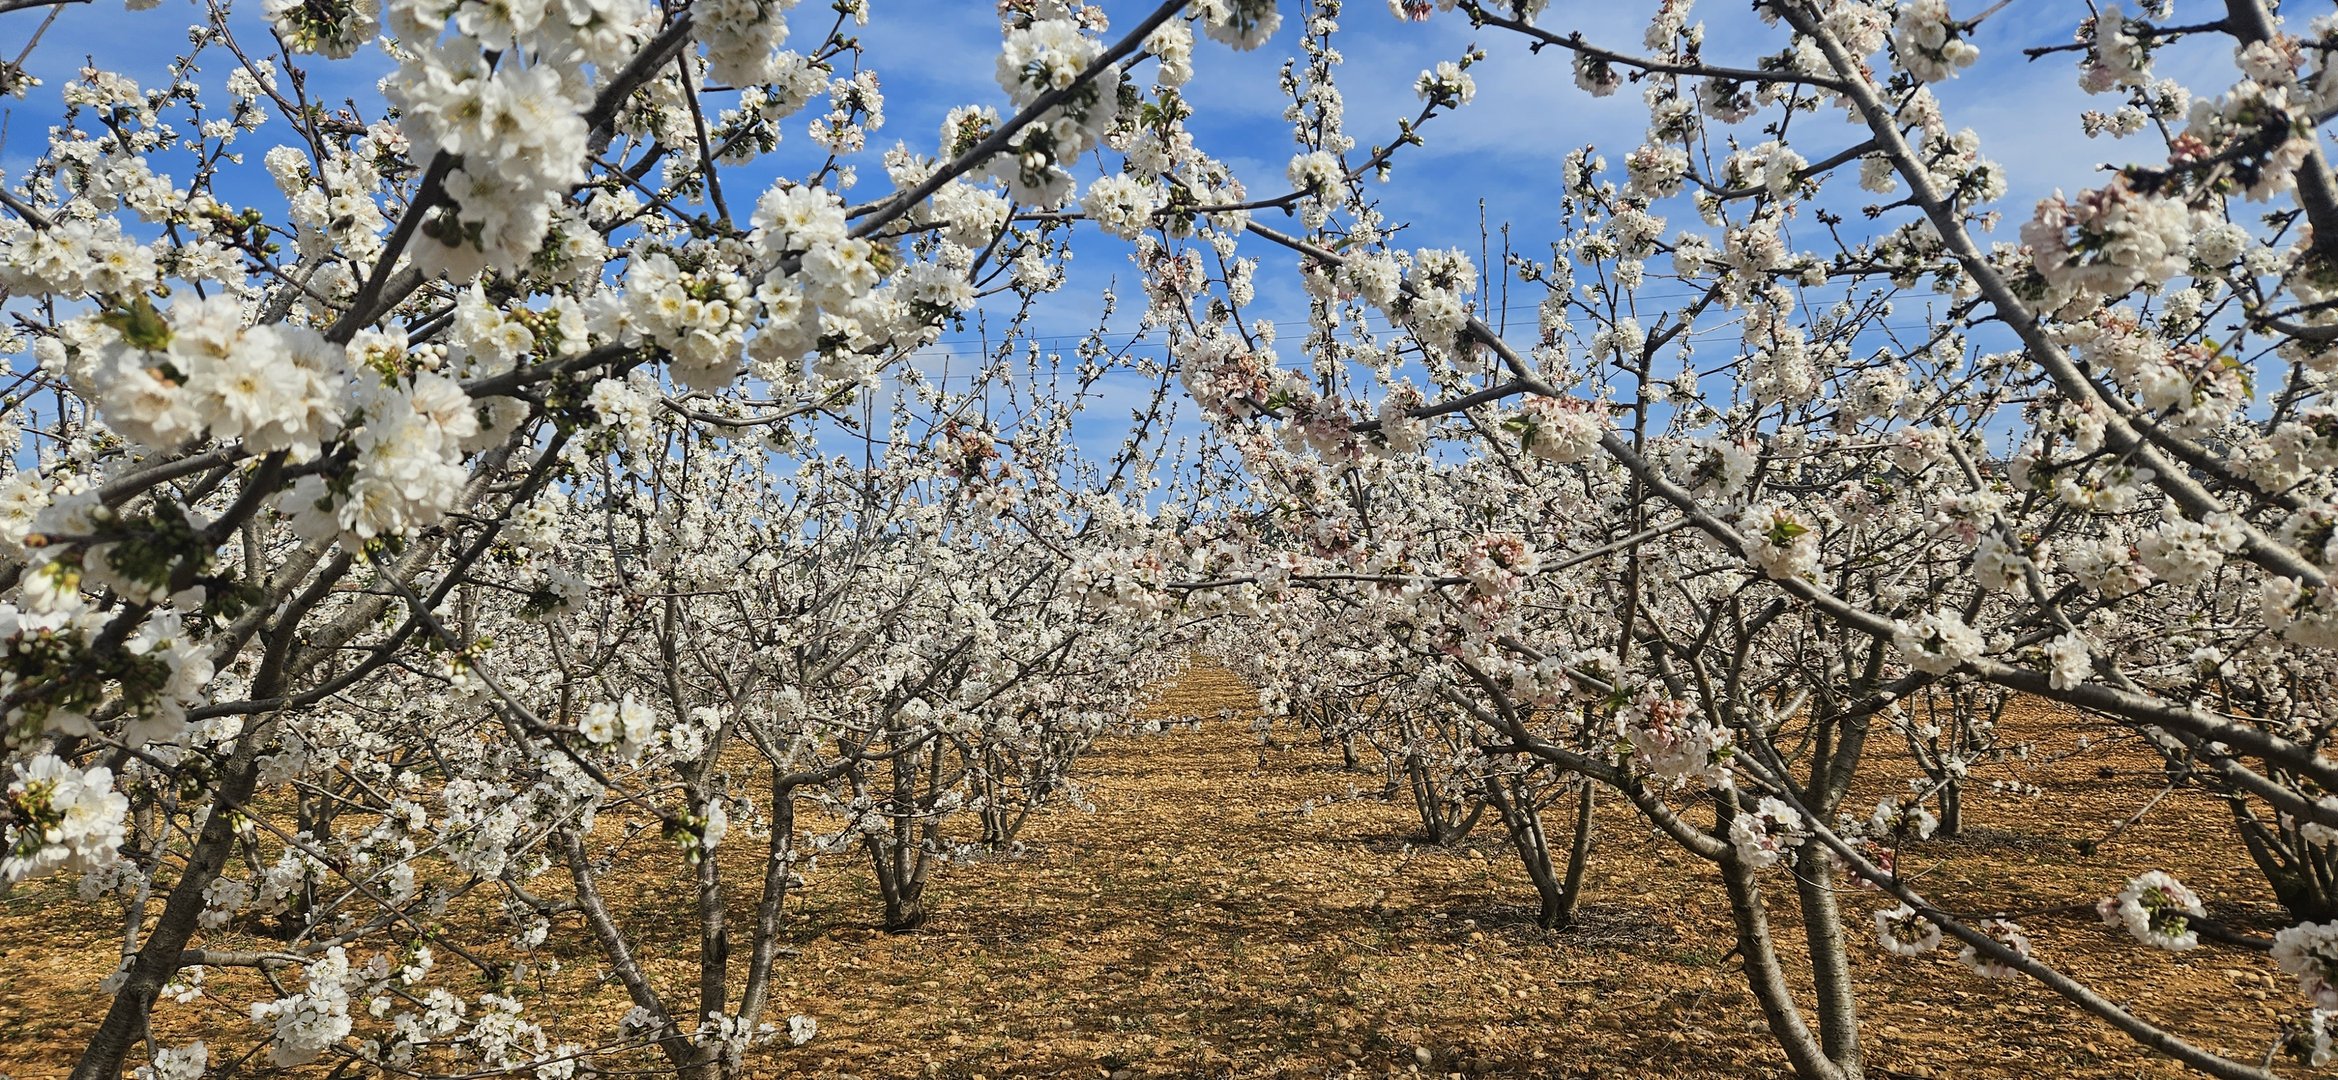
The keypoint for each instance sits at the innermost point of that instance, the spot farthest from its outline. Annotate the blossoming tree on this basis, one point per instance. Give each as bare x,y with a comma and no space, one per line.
517,490
1723,512
385,553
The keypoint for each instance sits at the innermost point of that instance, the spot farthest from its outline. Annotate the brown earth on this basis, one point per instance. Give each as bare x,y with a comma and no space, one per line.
1198,924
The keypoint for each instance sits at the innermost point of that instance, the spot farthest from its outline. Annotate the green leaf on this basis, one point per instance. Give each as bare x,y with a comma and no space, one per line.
139,324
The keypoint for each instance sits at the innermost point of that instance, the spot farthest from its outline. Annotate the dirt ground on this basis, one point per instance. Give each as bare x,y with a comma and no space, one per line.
1197,923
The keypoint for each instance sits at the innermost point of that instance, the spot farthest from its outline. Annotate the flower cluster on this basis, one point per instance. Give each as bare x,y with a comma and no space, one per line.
307,1024
60,818
1938,642
1763,835
2310,952
335,28
1121,205
1672,740
820,295
2109,240
1048,57
407,471
2005,932
1905,931
628,726
1903,819
2157,909
1243,24
1928,43
741,37
1780,540
701,319
515,134
197,371
1561,430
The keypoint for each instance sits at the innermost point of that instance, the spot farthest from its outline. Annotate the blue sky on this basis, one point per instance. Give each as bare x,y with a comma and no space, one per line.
1505,150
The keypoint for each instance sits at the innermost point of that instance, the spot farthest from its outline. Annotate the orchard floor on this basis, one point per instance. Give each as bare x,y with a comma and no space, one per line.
1196,923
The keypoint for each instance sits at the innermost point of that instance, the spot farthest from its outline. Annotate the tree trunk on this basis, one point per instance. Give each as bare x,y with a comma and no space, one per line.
1522,822
1442,824
1578,855
1767,978
158,959
1830,962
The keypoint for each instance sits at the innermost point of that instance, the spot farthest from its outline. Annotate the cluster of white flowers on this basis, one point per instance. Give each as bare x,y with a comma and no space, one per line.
2185,552
741,36
1926,38
1781,540
1225,375
1376,278
700,318
2233,129
1673,740
2309,951
629,726
1561,430
2157,909
1656,172
187,1062
1903,819
2117,56
1243,24
60,818
1719,466
518,133
856,107
1124,582
160,670
168,378
333,203
2069,661
1317,173
1433,305
2305,614
2006,932
1447,84
1121,205
335,28
1763,835
480,821
2193,387
1172,49
1730,101
1046,57
307,1024
1906,932
821,293
2110,240
626,409
2002,566
1400,431
2310,1041
1496,563
408,470
2107,565
73,258
1955,167
1596,76
1772,166
1938,642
